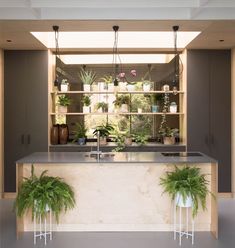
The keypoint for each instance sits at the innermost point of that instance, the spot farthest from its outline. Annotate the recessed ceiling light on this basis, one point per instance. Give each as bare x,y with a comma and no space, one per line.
84,59
221,40
9,40
125,39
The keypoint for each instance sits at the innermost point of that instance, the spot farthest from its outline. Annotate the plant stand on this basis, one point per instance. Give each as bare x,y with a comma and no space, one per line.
183,228
42,233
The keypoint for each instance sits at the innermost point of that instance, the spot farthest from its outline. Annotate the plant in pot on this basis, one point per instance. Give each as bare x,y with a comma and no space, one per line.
86,100
63,102
64,86
187,186
140,138
128,139
122,101
80,134
156,100
105,131
119,139
169,134
108,79
88,77
102,107
147,85
131,86
42,193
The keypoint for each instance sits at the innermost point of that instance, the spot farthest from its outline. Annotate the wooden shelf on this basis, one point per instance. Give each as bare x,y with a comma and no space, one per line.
119,113
118,92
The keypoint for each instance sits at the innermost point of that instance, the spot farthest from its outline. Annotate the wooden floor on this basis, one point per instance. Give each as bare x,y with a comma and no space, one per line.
120,239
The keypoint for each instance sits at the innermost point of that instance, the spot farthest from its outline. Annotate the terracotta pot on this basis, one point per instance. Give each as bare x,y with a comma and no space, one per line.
63,134
55,134
103,141
62,109
169,140
128,141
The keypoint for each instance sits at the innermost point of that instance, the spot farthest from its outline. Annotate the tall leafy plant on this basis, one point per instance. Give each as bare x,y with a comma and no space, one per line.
188,182
40,193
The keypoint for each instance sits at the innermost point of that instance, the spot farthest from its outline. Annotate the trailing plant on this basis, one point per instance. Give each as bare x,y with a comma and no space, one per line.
187,182
105,130
119,139
103,106
86,100
80,131
87,76
121,99
157,99
40,193
64,100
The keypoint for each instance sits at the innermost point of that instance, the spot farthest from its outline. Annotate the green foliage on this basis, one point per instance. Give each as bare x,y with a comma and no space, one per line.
80,131
122,99
86,100
188,182
168,132
119,139
108,79
103,106
157,99
64,100
87,76
38,193
140,138
105,130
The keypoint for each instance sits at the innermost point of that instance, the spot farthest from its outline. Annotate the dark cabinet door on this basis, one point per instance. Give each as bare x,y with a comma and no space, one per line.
209,108
25,108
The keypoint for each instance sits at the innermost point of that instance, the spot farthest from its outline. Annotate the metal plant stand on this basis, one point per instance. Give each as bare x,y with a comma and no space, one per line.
180,228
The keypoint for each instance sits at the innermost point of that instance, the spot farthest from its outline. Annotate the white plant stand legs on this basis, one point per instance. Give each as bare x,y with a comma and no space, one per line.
180,228
42,233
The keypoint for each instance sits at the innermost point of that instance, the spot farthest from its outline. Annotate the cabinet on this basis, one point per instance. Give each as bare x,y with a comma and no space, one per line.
209,108
25,108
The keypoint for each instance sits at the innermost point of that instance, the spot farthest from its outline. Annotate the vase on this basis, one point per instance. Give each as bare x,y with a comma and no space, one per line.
63,134
62,109
86,109
183,204
155,108
169,140
124,108
86,87
139,110
64,87
55,135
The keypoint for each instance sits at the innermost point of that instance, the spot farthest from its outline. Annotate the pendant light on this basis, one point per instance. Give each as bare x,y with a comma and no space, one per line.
57,52
176,74
116,56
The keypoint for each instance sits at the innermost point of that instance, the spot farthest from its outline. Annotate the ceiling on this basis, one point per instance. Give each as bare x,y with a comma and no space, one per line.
214,18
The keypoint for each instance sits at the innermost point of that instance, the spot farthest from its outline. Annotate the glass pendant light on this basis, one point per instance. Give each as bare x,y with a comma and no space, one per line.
56,31
176,74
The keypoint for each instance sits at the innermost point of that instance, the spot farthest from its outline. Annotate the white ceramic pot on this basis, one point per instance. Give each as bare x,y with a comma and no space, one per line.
184,204
130,87
124,108
86,87
101,86
62,109
122,86
165,87
169,140
86,109
111,87
146,87
139,110
64,87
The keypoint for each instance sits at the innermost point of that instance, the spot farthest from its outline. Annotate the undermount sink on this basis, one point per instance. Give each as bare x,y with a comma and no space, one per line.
101,155
181,154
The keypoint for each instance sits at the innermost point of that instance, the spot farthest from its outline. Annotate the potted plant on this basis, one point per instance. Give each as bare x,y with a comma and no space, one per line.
108,79
64,86
122,101
140,138
187,186
119,139
102,107
147,85
63,101
80,134
42,193
169,135
156,100
128,139
88,77
131,86
86,100
105,131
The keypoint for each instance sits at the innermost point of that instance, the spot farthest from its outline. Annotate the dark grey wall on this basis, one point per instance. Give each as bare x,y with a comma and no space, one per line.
25,108
209,108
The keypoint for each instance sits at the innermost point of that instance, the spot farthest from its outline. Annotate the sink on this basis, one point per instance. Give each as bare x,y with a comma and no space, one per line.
181,154
101,155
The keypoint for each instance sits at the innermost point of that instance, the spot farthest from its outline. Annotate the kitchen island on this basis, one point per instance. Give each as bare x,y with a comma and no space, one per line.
120,191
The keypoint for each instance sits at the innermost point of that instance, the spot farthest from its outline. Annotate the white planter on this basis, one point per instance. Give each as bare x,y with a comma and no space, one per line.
111,87
139,110
86,109
122,86
86,87
101,86
180,203
62,109
146,87
165,87
130,87
124,108
64,87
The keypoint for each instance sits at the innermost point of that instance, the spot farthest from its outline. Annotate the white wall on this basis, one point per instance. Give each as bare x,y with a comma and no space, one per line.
1,122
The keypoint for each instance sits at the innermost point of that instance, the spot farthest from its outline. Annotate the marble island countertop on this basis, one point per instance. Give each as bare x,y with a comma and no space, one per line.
119,157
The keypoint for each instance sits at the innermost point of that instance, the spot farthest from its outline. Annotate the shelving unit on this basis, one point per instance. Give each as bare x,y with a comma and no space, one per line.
119,113
116,92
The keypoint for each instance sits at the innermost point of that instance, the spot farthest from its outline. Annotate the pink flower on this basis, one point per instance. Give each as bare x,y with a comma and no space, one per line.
121,74
133,73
